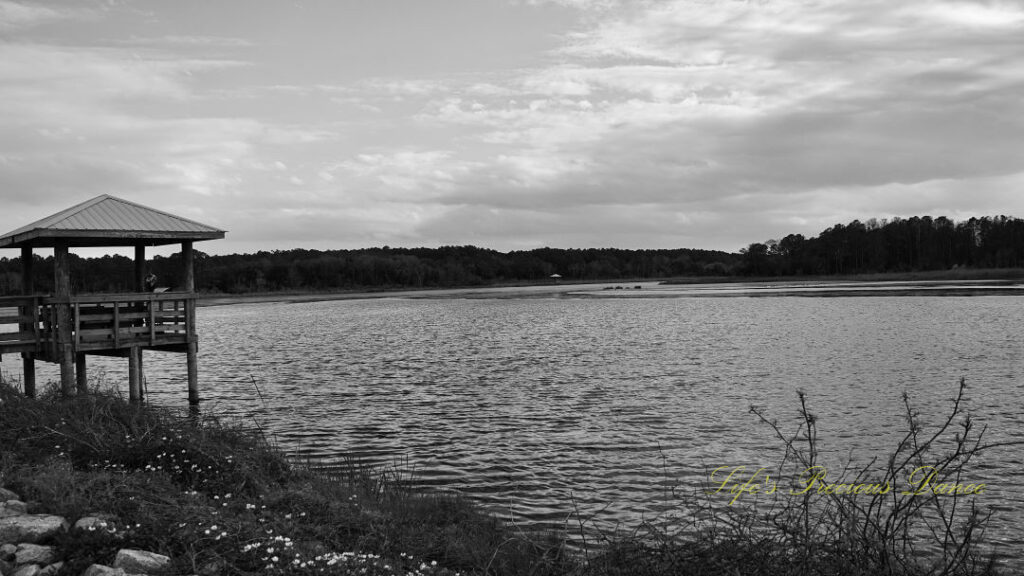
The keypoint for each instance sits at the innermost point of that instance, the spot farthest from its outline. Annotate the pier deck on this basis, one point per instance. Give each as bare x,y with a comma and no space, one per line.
108,324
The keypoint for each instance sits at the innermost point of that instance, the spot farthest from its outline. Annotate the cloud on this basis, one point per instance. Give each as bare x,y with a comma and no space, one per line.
408,175
82,121
177,41
716,100
20,15
700,123
577,4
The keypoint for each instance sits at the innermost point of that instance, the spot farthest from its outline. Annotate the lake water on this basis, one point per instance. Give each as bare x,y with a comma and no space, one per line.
551,402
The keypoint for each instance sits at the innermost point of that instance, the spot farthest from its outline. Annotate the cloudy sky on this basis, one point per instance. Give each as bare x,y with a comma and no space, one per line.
513,124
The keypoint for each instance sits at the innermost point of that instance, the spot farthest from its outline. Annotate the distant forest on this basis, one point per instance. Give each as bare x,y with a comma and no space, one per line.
897,245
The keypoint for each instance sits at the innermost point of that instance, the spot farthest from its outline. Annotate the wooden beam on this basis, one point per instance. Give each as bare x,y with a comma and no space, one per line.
62,289
93,238
28,359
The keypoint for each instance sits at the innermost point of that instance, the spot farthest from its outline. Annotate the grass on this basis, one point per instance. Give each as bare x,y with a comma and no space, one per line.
219,499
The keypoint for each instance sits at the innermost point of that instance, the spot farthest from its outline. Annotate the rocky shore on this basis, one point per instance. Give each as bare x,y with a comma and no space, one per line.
25,539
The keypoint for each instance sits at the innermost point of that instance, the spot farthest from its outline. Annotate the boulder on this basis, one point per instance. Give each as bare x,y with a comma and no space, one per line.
91,523
13,508
27,570
141,562
6,495
30,528
7,551
101,570
35,554
51,570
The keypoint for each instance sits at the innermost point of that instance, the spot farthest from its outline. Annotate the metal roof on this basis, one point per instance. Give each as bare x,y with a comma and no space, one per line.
109,221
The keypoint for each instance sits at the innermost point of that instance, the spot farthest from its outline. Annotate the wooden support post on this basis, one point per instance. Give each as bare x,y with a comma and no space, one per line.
192,354
28,359
193,373
188,273
139,282
142,374
81,375
62,291
134,374
140,286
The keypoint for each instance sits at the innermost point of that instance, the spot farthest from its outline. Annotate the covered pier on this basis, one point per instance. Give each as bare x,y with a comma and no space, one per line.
64,328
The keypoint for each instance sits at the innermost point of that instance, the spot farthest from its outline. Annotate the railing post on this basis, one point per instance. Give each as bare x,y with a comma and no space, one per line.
51,330
117,325
77,325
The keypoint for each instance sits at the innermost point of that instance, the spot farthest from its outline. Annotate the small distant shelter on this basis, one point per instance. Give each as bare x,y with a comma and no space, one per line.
64,328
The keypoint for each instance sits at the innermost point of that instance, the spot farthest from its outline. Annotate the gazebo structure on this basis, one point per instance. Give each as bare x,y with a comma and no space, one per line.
63,327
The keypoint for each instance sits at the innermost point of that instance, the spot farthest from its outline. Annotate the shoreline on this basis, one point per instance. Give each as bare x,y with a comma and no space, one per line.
997,281
506,291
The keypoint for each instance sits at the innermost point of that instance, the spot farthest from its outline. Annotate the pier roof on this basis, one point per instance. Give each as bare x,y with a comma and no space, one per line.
109,221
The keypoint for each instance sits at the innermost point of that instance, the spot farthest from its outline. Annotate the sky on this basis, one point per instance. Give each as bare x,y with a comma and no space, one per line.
513,124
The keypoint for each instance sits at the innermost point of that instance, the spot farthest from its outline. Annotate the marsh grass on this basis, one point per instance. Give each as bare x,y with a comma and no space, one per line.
219,498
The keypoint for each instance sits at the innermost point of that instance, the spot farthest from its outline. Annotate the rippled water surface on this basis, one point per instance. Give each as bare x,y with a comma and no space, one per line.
542,404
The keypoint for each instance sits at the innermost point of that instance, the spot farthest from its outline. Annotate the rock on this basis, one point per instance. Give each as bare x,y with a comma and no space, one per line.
213,568
51,570
141,562
30,528
101,570
35,554
91,522
13,508
6,495
27,570
7,551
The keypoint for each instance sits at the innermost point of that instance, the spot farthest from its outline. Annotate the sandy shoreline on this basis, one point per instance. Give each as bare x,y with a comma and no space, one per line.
534,291
648,289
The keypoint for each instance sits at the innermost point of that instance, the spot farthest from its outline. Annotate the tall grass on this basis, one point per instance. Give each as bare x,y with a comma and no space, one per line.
217,497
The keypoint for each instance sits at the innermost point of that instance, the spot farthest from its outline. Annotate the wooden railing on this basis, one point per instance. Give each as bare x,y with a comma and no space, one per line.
98,323
19,324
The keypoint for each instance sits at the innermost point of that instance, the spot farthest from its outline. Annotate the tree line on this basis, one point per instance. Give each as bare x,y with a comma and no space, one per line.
373,268
896,245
